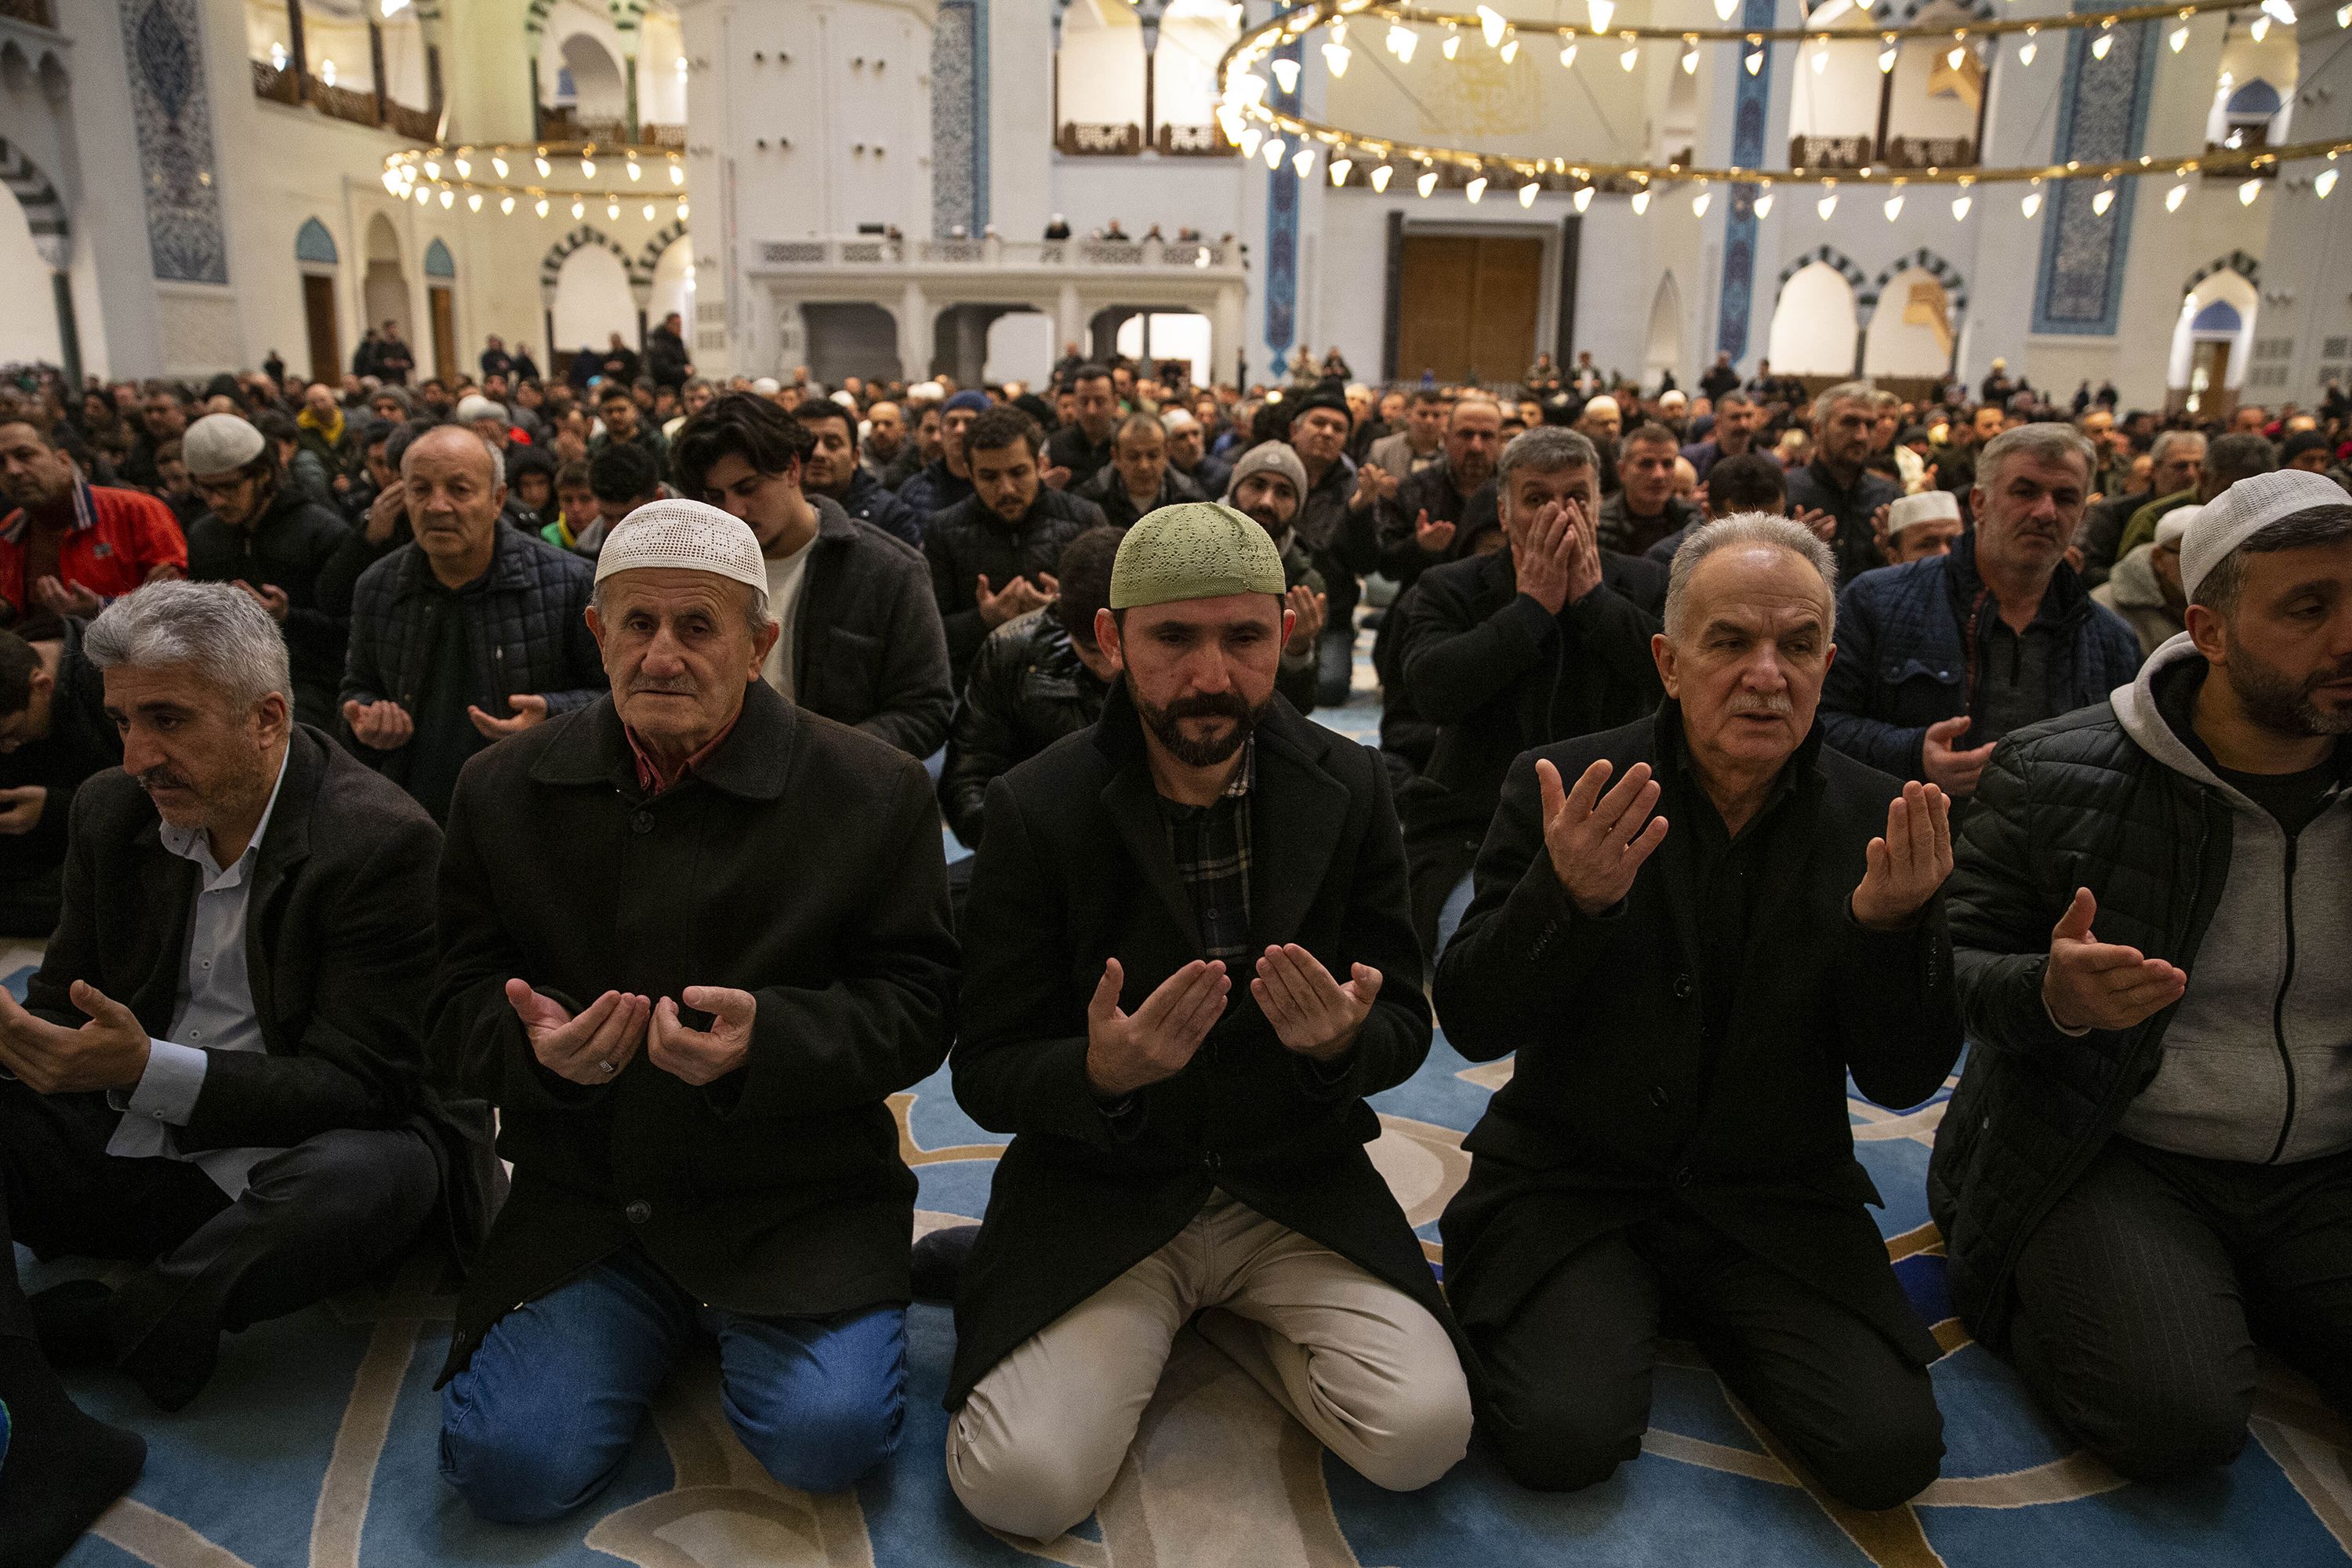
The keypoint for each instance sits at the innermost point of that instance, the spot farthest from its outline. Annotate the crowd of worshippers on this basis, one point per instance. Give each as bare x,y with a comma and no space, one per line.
485,756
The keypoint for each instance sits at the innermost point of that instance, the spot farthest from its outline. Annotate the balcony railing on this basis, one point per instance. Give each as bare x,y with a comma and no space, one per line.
1831,151
1897,153
416,124
278,86
1194,141
869,250
671,137
343,103
1082,141
37,12
1930,152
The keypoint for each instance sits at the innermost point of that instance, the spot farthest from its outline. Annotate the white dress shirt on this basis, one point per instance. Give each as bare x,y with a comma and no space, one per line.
214,1012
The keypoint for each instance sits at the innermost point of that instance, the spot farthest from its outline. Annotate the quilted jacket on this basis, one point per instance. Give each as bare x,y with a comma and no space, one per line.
2072,802
1903,662
529,633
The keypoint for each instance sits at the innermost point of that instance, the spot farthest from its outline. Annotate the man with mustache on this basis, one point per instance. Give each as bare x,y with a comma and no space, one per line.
472,632
1420,524
1691,930
693,937
218,1073
1946,654
1645,509
1269,486
2146,1169
1189,964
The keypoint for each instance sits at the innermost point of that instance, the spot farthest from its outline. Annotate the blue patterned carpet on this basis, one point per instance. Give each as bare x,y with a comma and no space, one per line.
314,1449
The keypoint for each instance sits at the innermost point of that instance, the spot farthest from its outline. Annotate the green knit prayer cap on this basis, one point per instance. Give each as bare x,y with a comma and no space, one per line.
1194,549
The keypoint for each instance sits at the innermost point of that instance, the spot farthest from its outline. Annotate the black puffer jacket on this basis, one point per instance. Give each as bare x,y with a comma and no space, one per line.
968,542
1028,690
289,550
2071,802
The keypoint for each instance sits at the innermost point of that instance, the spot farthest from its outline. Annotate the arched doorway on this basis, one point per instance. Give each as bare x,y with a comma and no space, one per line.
2212,338
38,237
318,260
847,339
1911,331
1813,322
383,290
441,301
592,301
1156,336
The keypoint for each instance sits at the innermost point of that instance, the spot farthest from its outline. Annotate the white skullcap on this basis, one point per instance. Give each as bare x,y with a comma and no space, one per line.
2173,526
767,386
1928,506
2245,509
220,444
477,406
1672,397
1604,404
1176,419
685,536
846,400
929,391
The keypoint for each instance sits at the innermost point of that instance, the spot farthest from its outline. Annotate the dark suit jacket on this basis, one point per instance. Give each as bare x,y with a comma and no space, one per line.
1496,674
800,862
339,955
1073,869
868,648
1611,1114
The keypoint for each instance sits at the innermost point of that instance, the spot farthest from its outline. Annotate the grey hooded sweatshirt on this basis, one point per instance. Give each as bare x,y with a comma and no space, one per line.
2257,1063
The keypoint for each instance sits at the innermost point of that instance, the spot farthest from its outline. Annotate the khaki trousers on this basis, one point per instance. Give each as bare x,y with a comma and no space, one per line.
1359,1364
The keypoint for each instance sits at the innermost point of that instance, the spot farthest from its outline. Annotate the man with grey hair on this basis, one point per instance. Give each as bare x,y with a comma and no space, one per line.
472,633
1541,641
218,1072
690,1005
1838,482
1676,1128
2146,1169
1946,654
2228,458
2176,457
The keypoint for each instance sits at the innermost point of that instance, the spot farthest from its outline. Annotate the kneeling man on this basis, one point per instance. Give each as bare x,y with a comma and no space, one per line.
218,1072
1190,963
2146,1169
692,939
1689,933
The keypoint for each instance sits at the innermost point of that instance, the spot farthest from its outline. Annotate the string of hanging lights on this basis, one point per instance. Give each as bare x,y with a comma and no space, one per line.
1259,128
546,178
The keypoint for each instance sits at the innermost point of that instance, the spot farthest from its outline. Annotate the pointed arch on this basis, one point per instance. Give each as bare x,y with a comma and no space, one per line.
2246,266
1834,257
439,262
45,210
552,264
650,257
314,245
1956,288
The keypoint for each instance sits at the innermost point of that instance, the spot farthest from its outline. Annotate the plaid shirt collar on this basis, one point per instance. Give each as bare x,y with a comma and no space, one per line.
85,515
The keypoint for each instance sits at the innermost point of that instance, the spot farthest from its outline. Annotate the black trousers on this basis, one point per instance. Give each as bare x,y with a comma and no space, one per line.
2142,1296
312,1220
1568,1377
15,1318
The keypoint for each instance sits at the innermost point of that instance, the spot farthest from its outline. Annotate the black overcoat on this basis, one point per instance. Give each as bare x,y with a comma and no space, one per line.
1610,1114
338,952
1073,869
800,862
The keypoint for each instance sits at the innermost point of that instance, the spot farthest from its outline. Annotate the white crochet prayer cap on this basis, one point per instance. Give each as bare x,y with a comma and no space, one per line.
1928,506
2173,526
2245,509
475,406
685,536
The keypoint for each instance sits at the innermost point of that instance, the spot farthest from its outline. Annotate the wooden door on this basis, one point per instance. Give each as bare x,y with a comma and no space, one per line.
325,345
1466,306
443,301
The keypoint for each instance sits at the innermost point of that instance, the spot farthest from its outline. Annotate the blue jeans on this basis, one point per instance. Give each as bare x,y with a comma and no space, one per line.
544,1414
